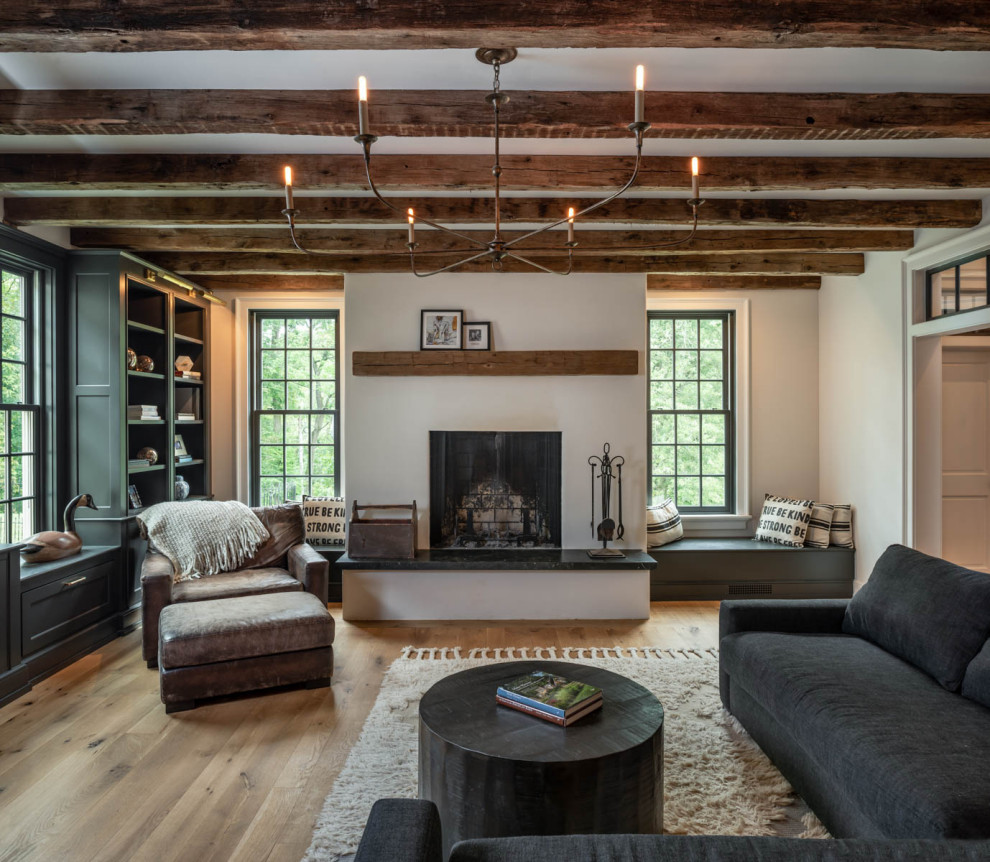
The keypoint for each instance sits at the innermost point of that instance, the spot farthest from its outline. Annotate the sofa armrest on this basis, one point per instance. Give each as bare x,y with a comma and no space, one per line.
794,616
156,593
308,566
401,830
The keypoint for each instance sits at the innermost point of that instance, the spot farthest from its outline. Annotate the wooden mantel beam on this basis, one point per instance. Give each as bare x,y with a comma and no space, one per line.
257,211
150,25
224,263
210,172
362,241
464,113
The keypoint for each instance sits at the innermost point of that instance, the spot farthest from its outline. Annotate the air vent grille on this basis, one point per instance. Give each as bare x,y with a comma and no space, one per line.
750,589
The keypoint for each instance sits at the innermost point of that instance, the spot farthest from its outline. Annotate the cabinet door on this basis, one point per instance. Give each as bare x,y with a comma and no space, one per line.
55,611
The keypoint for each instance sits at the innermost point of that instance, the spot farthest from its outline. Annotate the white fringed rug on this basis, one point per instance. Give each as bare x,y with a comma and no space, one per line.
716,779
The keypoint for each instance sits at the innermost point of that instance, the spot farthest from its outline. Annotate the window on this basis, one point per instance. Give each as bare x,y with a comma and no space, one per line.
959,287
691,410
20,412
295,415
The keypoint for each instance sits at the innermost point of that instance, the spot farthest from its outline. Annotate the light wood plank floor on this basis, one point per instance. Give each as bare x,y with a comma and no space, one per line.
91,768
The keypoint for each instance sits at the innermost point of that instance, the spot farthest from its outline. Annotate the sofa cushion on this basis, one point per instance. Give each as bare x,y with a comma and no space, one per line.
229,585
711,848
976,683
197,633
911,755
927,611
286,527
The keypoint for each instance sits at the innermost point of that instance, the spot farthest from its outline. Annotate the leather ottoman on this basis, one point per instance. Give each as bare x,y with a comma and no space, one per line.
222,646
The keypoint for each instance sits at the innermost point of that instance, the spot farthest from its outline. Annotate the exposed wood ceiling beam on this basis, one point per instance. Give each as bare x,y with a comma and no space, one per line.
149,25
233,211
363,241
196,264
278,283
61,172
655,281
464,113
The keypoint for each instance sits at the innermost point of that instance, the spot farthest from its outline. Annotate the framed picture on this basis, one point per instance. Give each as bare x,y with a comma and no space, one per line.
478,336
180,447
133,497
441,330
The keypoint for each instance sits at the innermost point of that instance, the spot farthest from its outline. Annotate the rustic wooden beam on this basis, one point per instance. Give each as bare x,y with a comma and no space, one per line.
484,363
180,211
218,263
465,113
362,241
596,174
656,281
150,25
327,283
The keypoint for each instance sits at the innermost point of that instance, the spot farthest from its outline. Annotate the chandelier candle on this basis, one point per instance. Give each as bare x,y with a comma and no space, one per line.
412,228
694,178
640,95
362,105
570,225
288,187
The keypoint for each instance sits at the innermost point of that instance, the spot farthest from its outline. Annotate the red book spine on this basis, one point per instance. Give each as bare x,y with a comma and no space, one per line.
529,710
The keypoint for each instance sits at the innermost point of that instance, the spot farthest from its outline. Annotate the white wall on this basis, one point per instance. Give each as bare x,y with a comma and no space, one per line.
386,420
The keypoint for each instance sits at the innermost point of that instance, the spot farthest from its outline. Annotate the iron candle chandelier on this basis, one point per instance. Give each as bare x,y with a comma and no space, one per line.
499,249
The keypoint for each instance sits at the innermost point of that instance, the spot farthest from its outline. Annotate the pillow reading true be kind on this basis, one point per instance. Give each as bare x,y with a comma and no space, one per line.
784,521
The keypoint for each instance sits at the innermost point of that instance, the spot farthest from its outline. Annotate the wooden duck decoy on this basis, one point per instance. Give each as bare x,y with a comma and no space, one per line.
53,545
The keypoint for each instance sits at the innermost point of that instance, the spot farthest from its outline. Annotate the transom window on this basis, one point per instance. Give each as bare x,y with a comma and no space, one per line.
295,414
19,410
959,287
691,400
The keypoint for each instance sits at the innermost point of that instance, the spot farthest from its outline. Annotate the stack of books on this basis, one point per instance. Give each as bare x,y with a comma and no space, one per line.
550,697
142,411
185,417
190,375
183,459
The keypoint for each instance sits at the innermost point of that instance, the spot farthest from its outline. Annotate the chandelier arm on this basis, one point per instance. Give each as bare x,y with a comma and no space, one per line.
467,260
592,207
394,208
302,248
535,265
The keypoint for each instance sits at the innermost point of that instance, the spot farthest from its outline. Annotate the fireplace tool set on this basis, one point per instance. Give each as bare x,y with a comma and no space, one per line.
607,468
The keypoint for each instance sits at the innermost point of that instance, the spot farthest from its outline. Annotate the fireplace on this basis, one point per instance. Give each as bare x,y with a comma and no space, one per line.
495,489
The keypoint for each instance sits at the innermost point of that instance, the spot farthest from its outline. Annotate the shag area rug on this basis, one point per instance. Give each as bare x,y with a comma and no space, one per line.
716,779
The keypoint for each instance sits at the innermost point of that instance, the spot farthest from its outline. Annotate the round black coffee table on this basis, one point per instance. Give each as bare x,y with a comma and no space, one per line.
493,771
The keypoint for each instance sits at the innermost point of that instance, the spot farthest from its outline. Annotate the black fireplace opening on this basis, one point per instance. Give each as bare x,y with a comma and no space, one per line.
495,489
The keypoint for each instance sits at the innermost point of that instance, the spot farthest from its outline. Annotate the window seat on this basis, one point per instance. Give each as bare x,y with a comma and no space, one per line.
715,569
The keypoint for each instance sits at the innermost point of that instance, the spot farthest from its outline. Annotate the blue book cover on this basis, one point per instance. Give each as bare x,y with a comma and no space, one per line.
550,693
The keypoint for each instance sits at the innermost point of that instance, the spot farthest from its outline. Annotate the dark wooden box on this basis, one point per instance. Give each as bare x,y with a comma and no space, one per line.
382,538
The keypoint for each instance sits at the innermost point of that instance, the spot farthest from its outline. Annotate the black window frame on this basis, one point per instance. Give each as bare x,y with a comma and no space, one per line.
956,265
728,318
256,380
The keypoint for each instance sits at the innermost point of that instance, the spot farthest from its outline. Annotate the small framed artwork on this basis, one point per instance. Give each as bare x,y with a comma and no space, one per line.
441,330
180,447
478,336
133,497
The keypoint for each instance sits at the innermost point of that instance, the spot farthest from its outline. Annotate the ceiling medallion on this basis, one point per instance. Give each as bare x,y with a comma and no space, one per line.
499,249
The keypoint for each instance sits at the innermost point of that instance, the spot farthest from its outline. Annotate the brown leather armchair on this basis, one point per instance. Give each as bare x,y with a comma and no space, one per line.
284,563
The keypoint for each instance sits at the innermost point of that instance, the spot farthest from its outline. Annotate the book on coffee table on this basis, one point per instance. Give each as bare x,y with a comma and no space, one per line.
551,694
546,716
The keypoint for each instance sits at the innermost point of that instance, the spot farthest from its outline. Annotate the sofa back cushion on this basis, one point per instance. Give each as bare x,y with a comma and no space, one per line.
929,612
286,526
976,683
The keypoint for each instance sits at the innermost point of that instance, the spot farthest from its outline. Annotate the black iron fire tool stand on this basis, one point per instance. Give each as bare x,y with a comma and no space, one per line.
608,468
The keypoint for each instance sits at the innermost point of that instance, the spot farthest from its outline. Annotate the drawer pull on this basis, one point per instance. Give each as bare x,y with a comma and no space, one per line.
73,583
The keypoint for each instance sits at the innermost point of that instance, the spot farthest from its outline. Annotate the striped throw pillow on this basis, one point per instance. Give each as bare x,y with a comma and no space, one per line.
663,524
818,526
840,534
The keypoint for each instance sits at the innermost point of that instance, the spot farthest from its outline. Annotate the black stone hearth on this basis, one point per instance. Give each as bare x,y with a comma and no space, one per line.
495,489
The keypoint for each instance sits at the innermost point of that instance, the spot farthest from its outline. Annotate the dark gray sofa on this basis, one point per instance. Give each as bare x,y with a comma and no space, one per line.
876,709
408,830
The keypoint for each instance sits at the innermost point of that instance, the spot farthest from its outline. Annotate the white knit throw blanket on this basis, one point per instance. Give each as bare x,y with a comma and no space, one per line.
203,537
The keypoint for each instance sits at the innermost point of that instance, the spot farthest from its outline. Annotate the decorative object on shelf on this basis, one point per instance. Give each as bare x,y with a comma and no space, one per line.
377,538
663,524
131,359
149,454
143,412
608,467
145,363
180,448
181,488
133,497
441,330
499,249
478,336
325,519
183,364
53,545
